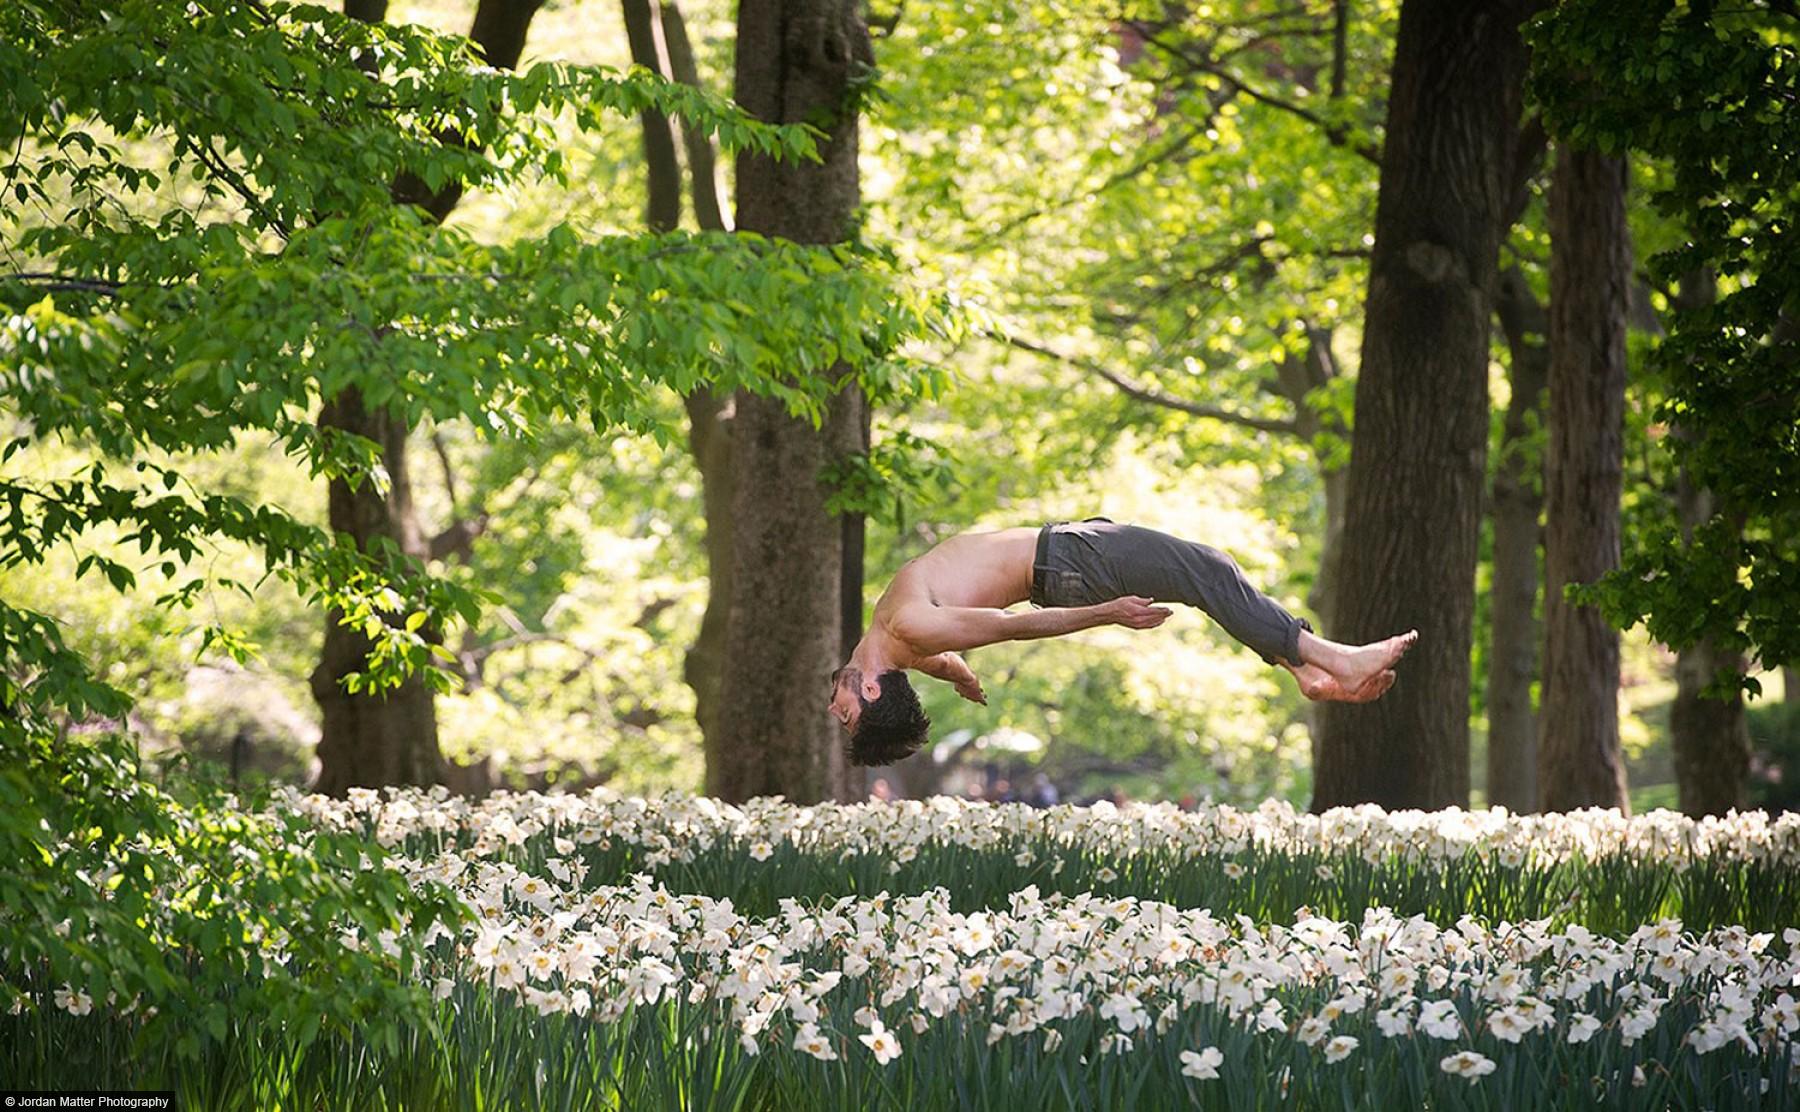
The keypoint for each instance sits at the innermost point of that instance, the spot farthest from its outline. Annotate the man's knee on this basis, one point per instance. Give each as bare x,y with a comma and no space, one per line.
1215,558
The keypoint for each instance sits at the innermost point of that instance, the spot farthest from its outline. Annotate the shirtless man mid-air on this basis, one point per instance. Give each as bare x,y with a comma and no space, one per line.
1077,575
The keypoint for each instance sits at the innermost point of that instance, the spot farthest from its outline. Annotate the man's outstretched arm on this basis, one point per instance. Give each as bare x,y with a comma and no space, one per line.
936,629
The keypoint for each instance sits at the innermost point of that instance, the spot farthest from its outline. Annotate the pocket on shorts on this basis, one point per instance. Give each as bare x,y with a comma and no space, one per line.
1066,588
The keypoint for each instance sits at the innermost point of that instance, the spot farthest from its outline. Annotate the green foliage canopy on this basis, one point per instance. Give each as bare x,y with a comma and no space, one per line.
1713,93
203,240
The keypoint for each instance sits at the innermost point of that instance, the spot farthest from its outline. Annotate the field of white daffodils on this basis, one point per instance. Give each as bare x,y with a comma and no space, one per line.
609,952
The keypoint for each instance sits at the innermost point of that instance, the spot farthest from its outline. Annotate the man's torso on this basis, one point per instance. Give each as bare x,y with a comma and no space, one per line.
970,569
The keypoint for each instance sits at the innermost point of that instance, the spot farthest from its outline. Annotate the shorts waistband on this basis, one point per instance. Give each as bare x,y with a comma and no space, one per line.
1040,565
1040,559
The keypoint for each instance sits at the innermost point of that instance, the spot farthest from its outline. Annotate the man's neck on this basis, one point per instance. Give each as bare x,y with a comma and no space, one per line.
872,656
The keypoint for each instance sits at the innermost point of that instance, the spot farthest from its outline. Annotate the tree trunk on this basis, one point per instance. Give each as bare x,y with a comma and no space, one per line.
1579,758
795,62
373,740
1710,737
1418,460
1517,504
1295,379
703,161
855,527
709,416
709,439
643,30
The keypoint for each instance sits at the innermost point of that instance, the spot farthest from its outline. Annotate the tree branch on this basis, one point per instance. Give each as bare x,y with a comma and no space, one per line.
64,283
1177,142
1298,377
1340,46
460,535
1236,84
443,456
703,162
214,162
1528,149
1154,397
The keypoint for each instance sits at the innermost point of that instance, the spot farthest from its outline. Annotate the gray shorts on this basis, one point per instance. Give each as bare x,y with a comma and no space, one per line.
1081,563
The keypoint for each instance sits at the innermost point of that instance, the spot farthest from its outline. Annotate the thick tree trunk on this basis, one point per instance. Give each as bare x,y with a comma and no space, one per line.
784,633
795,63
1517,504
364,740
371,740
1417,465
1579,759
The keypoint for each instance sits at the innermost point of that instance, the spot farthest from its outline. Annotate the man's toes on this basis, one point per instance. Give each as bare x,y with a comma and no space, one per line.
1375,686
1396,647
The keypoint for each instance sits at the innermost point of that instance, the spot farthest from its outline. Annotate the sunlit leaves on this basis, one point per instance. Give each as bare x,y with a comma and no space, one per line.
1709,93
173,909
206,244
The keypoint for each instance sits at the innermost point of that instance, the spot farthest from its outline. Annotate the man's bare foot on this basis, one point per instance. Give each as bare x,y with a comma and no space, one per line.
1349,673
1357,666
1322,687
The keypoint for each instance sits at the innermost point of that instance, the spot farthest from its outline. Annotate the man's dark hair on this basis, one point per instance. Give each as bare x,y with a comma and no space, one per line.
892,726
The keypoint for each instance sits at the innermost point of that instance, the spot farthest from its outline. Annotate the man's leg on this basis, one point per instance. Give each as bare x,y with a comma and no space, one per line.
1166,568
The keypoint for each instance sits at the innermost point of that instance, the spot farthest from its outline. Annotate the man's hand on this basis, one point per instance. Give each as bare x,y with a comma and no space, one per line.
954,670
1135,612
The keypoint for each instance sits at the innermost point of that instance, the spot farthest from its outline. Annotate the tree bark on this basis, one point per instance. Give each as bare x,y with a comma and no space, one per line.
1579,757
795,63
374,740
1294,380
1518,502
855,530
1418,461
703,161
371,740
1710,737
643,31
709,415
710,426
